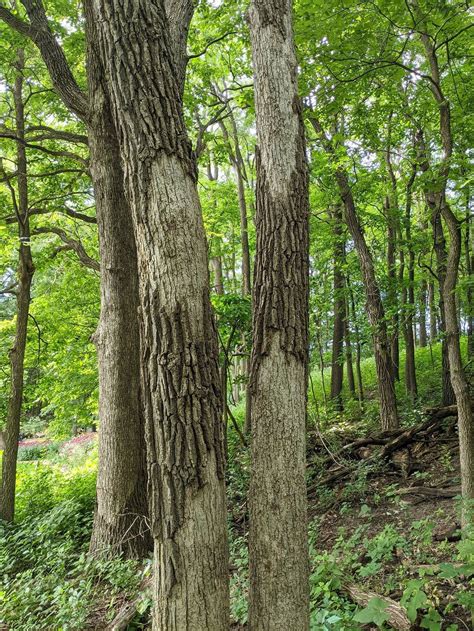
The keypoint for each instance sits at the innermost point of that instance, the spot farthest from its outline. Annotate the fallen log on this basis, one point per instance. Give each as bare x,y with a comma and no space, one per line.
399,439
430,491
398,618
128,612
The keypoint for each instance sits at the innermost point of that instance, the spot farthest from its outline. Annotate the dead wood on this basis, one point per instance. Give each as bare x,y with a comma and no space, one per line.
430,491
398,618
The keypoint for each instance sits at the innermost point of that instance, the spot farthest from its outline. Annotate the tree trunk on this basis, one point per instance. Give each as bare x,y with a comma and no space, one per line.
337,361
433,313
374,306
25,276
422,319
469,261
458,377
348,346
278,552
183,404
216,263
391,211
409,297
121,518
439,244
360,385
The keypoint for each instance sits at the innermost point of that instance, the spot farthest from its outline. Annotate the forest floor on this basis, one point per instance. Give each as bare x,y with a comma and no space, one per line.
383,528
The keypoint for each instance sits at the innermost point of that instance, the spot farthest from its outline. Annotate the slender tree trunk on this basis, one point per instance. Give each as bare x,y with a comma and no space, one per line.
458,377
183,402
25,276
422,319
121,518
235,155
348,346
433,313
433,201
391,211
216,262
469,261
278,552
374,306
409,297
337,362
360,385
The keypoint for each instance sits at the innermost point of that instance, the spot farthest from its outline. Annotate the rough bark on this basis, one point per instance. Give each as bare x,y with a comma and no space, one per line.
121,517
115,274
279,569
183,404
25,276
374,306
337,360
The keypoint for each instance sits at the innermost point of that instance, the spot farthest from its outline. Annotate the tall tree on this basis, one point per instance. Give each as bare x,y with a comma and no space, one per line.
180,366
340,320
120,523
374,305
279,598
458,377
25,273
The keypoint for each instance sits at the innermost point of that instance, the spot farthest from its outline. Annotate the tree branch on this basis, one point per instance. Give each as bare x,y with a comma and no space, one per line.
71,244
38,30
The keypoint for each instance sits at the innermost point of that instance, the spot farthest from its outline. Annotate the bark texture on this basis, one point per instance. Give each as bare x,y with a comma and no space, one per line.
279,598
121,518
25,276
183,405
119,509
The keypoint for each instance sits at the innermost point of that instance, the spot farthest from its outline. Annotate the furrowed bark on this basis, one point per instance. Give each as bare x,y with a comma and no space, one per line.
278,553
121,518
183,405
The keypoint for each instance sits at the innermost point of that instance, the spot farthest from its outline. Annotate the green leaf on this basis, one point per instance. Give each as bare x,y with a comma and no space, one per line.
374,612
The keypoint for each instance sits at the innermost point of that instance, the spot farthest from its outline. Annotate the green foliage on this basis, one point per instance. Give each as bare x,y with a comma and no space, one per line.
48,580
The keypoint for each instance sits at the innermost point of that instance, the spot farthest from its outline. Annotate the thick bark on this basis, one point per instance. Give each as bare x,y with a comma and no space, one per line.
120,522
118,292
337,360
374,306
25,276
278,552
183,404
